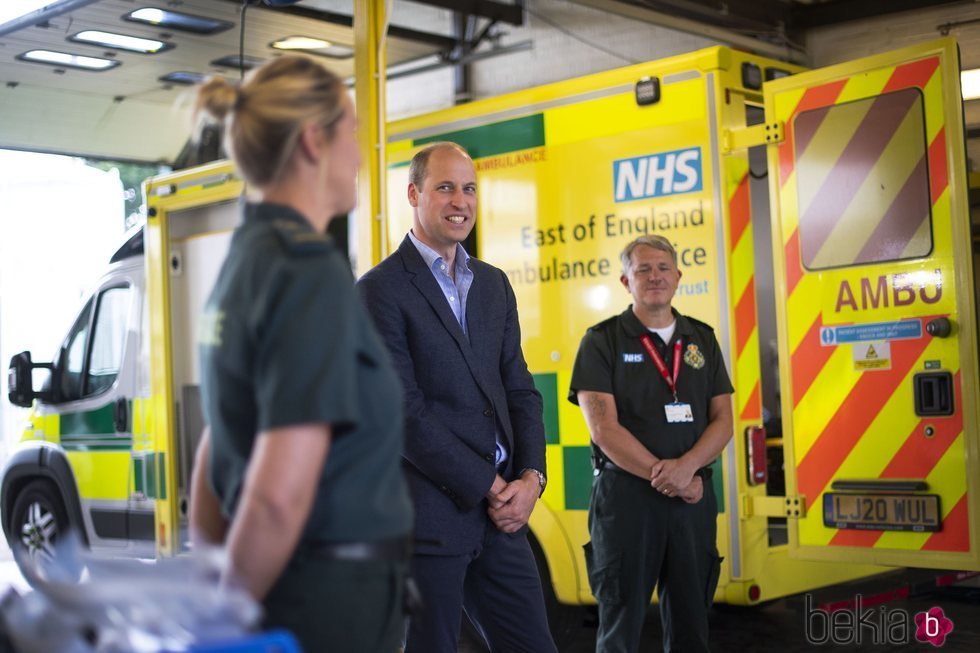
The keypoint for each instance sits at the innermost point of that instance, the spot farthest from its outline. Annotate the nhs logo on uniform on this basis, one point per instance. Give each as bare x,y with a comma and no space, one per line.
632,358
657,175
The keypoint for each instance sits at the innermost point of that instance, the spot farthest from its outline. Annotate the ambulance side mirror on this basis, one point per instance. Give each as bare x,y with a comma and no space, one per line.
20,380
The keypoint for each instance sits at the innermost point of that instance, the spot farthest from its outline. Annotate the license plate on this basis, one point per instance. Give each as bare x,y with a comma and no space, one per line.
882,512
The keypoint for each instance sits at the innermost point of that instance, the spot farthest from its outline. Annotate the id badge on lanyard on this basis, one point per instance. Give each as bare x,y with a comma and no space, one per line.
676,411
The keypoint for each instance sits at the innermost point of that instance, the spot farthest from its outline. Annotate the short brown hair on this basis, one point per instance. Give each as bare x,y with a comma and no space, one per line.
265,115
419,167
654,241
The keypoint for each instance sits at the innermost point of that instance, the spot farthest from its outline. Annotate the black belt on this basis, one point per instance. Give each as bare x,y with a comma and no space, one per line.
397,549
704,472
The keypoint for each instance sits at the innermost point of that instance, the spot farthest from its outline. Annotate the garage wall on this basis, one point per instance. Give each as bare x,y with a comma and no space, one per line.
557,29
553,25
860,38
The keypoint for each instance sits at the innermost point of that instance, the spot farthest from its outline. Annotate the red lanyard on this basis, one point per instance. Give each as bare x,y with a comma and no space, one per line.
659,362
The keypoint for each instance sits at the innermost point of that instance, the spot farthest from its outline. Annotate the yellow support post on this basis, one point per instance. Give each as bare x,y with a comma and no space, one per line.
370,27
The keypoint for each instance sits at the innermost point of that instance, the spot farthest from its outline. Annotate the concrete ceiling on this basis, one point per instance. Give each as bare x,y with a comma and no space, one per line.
127,113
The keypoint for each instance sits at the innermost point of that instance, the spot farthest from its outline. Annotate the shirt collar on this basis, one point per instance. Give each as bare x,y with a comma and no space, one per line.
433,259
634,327
267,211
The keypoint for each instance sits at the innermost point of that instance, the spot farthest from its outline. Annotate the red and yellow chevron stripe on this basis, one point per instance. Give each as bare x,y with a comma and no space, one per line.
746,367
873,147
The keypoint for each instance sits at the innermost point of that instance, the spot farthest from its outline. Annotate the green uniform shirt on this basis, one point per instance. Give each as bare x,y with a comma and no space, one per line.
285,341
612,359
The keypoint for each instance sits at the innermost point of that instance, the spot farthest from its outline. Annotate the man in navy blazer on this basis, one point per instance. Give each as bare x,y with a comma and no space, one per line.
474,451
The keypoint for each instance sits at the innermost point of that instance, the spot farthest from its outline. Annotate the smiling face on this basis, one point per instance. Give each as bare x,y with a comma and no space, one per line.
445,204
652,278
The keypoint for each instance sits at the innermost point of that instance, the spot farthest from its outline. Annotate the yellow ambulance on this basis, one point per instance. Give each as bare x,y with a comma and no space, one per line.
111,435
822,226
822,223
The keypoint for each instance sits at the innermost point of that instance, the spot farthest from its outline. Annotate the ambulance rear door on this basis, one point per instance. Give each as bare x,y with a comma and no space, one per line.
876,310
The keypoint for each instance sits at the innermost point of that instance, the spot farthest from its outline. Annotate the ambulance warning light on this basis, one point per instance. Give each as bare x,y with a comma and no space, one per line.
755,445
751,76
647,91
776,73
939,327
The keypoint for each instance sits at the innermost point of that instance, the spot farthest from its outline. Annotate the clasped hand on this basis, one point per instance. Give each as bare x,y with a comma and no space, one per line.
511,503
673,477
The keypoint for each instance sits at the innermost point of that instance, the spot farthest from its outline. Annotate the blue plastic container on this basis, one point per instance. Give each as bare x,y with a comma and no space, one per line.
274,641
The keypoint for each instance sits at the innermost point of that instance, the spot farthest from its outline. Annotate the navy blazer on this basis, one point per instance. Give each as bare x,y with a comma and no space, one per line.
458,392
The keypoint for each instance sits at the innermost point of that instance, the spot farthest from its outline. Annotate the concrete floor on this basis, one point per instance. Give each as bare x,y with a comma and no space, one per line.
777,627
780,626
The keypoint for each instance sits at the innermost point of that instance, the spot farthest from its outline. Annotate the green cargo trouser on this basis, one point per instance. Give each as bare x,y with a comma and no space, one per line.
642,539
340,606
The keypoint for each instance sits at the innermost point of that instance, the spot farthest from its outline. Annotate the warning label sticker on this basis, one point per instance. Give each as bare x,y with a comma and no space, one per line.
831,336
875,355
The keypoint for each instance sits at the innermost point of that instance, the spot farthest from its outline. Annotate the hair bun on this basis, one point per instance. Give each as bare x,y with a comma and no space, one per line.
218,97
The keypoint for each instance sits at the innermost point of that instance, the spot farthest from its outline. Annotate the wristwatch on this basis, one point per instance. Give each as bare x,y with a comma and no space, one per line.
542,481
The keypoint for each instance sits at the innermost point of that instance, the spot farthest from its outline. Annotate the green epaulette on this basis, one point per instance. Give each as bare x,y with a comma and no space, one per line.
300,239
698,323
607,323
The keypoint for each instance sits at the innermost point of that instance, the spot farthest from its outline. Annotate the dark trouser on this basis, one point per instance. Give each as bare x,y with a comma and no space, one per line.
642,539
499,588
340,606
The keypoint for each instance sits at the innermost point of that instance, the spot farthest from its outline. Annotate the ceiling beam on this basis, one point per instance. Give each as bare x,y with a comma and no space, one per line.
441,62
808,16
773,12
760,15
47,12
508,13
688,26
335,18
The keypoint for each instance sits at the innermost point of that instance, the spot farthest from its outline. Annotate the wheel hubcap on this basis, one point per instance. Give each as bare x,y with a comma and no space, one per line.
39,532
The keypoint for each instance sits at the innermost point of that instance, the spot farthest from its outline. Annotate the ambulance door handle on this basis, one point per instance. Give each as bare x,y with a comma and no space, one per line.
879,485
939,327
933,393
120,415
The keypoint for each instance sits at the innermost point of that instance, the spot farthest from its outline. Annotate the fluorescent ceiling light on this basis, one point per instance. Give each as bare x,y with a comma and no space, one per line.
235,62
121,41
177,20
970,84
69,60
336,51
313,46
182,77
300,43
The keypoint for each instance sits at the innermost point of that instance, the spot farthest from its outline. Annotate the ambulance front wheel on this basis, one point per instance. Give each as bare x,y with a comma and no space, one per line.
38,521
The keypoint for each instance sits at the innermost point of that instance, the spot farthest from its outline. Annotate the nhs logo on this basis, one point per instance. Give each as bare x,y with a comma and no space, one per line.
657,175
632,358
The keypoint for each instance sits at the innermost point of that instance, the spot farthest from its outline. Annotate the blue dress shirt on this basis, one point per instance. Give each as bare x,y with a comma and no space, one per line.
455,291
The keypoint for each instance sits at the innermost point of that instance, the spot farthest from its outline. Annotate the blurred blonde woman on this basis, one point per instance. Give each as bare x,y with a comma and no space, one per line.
299,474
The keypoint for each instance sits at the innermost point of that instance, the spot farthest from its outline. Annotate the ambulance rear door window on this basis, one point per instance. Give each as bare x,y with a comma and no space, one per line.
863,181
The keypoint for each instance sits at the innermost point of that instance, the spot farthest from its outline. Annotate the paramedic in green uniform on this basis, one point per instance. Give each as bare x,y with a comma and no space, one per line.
657,400
300,476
